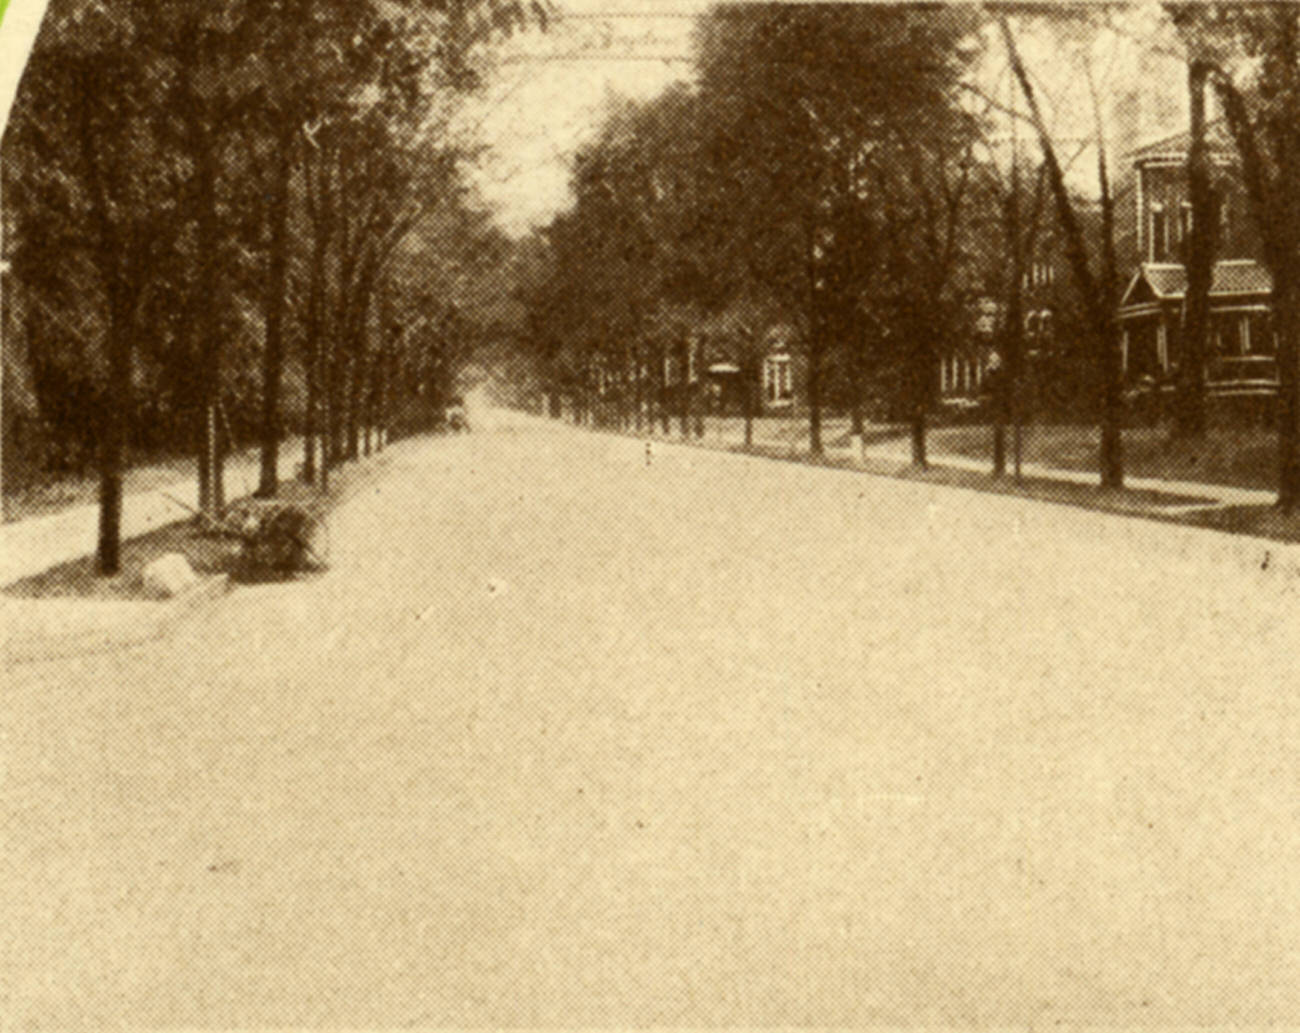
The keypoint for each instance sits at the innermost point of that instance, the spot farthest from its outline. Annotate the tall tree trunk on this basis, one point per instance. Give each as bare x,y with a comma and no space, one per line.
203,450
1286,306
684,389
112,440
1112,401
325,377
276,307
699,389
311,415
1112,356
356,384
314,350
638,371
199,137
661,392
748,389
338,374
1096,292
919,457
1015,321
920,385
1272,200
1190,416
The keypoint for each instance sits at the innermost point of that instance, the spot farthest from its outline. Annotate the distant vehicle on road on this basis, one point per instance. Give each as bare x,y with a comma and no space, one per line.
454,416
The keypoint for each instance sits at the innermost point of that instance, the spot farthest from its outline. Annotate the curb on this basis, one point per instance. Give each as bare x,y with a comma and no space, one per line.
1180,541
57,629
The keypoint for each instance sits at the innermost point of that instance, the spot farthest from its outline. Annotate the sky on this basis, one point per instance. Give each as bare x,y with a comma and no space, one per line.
19,22
548,91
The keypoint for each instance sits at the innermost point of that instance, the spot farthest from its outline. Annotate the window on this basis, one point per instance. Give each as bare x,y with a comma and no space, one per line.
1159,230
1262,341
777,384
1185,222
1227,334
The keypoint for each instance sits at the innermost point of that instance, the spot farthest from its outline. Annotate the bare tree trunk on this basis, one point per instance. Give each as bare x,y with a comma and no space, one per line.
276,306
1097,292
354,406
206,336
638,370
310,417
203,450
339,373
920,387
324,365
699,389
1004,402
112,441
919,458
1190,418
684,389
1286,302
1275,214
661,392
313,353
747,391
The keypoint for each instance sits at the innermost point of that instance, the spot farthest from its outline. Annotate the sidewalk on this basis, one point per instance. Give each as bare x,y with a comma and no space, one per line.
46,629
1223,495
28,547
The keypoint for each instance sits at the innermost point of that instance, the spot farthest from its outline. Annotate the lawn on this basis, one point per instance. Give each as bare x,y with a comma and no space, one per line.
52,493
1237,457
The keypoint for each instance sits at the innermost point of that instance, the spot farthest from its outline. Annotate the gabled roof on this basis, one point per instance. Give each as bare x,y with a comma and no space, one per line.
1167,282
1177,144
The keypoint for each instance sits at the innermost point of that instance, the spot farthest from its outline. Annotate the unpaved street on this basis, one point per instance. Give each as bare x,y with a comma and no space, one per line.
566,739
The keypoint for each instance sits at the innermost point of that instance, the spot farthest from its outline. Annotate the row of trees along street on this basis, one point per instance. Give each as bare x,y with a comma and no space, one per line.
854,173
220,211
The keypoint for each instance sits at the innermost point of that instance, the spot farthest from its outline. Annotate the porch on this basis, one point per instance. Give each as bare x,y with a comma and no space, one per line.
1241,362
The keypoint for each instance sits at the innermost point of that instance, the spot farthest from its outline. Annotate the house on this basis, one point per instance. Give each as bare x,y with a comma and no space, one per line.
714,371
964,366
1242,349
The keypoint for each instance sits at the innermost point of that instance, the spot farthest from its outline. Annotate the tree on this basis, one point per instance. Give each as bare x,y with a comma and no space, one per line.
806,107
97,178
1251,56
373,60
1013,231
1203,242
1097,280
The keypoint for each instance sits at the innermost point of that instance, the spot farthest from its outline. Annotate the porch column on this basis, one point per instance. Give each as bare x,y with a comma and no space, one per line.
1123,351
1162,346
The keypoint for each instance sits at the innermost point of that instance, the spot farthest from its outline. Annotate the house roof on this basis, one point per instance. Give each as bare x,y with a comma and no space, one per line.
1166,281
1177,144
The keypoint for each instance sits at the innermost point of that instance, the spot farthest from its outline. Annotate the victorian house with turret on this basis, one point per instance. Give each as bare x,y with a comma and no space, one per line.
1241,350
